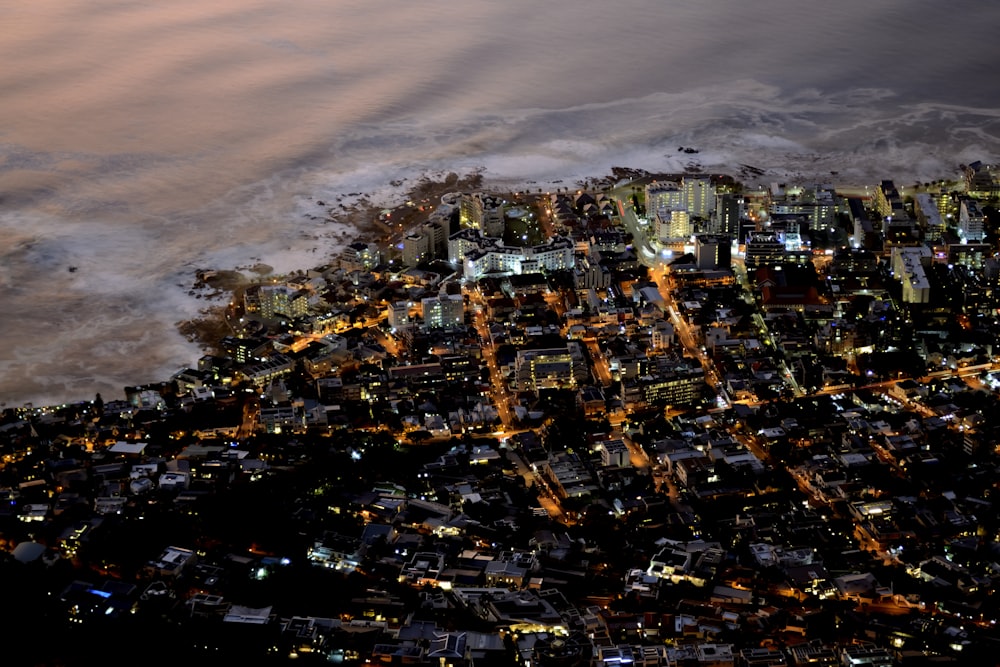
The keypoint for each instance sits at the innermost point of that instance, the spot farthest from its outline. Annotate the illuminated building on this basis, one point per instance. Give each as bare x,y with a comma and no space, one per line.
699,197
283,301
462,243
244,350
662,335
614,453
672,225
398,315
483,212
589,274
446,310
336,551
551,368
664,196
929,215
728,213
416,249
970,221
682,386
908,267
982,180
487,255
171,562
360,256
816,205
764,249
712,251
973,255
887,202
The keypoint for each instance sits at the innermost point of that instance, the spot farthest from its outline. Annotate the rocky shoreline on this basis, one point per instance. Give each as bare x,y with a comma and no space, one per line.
362,221
360,216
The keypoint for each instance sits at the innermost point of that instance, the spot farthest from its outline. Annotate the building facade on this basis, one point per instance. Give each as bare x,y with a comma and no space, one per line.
490,256
445,310
551,368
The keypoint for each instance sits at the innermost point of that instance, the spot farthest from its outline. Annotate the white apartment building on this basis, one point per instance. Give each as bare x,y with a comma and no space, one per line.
416,249
908,267
398,315
664,196
482,256
673,225
970,222
699,197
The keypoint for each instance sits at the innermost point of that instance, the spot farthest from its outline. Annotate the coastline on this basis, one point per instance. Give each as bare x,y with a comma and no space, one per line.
330,219
363,217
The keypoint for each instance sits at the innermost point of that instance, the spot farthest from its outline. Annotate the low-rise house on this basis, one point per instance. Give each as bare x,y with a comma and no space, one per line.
336,551
423,568
171,563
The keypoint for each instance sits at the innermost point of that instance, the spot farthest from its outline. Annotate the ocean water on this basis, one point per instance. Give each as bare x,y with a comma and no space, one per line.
141,141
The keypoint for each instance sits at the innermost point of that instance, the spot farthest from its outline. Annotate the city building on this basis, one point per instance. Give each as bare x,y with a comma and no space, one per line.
673,225
764,249
982,181
589,274
416,249
662,335
971,222
972,255
888,202
282,301
699,196
360,256
664,196
614,453
491,256
817,205
483,212
729,210
436,232
929,215
444,310
909,267
551,368
712,251
680,385
171,562
398,315
464,242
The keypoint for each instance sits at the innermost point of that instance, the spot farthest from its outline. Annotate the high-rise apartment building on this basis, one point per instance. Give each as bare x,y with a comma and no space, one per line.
673,225
277,301
445,310
764,249
712,251
971,222
728,211
699,196
416,249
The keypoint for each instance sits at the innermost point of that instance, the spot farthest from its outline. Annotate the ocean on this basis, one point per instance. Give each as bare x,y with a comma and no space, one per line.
143,141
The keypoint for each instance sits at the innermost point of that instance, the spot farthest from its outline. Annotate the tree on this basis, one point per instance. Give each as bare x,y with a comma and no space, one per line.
418,437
